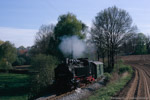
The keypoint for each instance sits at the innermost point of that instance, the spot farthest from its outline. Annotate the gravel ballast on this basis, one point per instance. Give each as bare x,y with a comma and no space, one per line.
81,93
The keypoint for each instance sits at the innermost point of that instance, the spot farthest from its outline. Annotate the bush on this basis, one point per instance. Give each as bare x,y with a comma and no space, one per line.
19,61
5,65
108,76
125,68
8,52
7,55
121,68
44,67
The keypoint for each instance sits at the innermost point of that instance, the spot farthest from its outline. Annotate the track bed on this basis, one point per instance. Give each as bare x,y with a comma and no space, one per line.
77,94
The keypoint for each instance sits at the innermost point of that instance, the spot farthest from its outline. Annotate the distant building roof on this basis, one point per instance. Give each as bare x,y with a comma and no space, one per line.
97,62
22,51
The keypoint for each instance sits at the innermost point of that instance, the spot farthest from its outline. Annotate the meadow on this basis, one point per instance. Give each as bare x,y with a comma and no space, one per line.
14,86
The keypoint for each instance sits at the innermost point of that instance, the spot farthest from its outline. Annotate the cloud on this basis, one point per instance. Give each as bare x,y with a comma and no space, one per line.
19,37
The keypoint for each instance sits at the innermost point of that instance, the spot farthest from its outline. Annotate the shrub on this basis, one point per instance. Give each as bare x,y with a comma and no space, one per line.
5,65
108,76
121,68
44,67
125,68
7,55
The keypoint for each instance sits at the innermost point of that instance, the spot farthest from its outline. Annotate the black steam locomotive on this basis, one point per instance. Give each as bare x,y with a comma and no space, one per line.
72,72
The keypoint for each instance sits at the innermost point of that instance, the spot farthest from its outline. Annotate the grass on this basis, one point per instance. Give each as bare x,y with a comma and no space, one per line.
14,86
22,97
111,88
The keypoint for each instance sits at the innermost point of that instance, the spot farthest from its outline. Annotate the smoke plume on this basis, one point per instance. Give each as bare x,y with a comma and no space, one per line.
72,47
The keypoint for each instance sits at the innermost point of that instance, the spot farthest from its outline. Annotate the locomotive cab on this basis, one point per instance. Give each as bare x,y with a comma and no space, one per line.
97,69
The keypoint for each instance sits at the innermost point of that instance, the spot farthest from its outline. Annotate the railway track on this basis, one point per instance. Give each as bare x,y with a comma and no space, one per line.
139,87
58,97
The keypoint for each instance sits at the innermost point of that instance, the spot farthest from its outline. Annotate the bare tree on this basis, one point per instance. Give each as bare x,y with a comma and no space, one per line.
128,46
109,28
99,41
45,40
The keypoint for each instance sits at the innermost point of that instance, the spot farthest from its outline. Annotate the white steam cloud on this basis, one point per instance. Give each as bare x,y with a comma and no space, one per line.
72,46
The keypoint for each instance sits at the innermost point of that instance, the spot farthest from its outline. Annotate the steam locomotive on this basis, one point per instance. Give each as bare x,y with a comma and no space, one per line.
72,72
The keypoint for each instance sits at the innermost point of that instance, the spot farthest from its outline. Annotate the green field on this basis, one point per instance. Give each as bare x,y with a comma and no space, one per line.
14,86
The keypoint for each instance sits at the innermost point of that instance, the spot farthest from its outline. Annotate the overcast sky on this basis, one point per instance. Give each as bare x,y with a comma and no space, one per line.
21,19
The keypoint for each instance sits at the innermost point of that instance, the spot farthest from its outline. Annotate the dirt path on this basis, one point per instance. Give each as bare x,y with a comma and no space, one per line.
139,87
